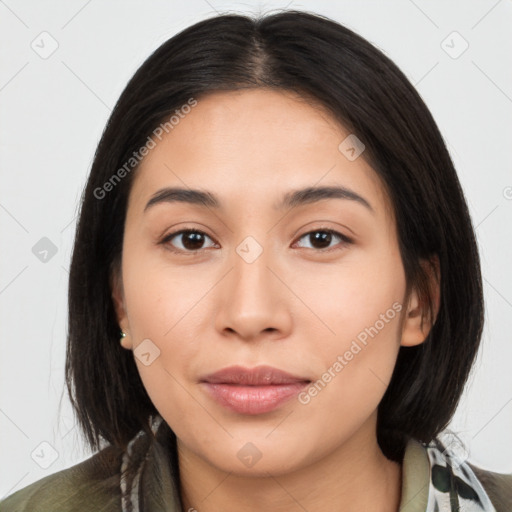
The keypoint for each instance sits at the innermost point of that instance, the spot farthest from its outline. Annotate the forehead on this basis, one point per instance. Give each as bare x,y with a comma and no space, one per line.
255,145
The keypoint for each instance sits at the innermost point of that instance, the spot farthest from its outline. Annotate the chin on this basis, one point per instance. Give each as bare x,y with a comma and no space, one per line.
258,458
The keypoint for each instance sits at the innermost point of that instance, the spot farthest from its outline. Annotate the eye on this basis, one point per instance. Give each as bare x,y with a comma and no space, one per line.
322,238
192,240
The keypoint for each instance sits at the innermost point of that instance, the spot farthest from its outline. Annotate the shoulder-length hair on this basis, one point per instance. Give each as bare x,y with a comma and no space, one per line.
365,91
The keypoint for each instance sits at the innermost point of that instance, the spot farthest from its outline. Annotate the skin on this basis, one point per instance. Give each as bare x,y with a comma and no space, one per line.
296,307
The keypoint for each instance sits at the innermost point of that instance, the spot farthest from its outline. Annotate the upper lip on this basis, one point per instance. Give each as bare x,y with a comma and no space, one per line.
258,376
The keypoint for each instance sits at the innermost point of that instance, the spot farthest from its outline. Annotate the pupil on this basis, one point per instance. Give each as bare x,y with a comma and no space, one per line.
193,240
322,236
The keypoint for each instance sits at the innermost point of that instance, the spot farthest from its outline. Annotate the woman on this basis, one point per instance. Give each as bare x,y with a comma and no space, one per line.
275,297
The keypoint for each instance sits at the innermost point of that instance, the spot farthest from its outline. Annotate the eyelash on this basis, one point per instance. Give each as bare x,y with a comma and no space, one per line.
344,240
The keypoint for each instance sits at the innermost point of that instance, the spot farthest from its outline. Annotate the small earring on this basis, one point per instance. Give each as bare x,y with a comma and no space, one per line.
123,335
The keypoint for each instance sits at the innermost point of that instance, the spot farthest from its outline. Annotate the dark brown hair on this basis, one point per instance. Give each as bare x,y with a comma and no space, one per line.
362,88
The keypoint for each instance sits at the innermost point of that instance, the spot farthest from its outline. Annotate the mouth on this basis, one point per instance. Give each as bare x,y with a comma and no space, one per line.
252,391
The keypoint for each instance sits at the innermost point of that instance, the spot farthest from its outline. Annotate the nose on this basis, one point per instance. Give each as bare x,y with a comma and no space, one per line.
254,300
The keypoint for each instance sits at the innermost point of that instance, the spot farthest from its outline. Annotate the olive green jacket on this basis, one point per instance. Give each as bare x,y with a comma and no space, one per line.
147,485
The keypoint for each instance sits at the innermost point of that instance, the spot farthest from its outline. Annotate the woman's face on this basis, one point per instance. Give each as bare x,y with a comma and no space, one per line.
261,281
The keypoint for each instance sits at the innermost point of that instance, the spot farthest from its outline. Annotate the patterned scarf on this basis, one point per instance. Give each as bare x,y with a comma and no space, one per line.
454,486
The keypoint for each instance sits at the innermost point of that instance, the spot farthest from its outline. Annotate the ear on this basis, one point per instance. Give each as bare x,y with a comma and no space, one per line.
417,322
116,285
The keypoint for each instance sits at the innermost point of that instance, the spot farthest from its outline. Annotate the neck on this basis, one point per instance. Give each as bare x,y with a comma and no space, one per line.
354,477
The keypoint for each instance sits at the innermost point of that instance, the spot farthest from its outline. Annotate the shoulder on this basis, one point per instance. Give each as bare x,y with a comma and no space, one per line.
498,487
90,485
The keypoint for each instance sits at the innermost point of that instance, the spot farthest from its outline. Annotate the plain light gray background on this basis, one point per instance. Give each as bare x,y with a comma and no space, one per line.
54,107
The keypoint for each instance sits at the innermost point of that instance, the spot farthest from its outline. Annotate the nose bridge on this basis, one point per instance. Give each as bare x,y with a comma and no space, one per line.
251,273
252,284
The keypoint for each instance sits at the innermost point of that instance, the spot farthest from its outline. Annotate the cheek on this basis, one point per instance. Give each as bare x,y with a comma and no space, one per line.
161,313
354,333
163,303
161,296
350,296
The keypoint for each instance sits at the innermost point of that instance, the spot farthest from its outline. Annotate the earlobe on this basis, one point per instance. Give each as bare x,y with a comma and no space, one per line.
413,333
120,309
418,322
125,341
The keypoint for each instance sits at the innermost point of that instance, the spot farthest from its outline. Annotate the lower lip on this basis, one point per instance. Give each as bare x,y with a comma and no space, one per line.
253,399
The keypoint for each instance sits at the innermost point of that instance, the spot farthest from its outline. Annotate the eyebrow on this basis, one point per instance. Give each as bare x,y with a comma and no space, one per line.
291,199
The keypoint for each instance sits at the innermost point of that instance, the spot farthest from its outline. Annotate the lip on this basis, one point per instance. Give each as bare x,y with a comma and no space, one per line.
252,390
258,376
